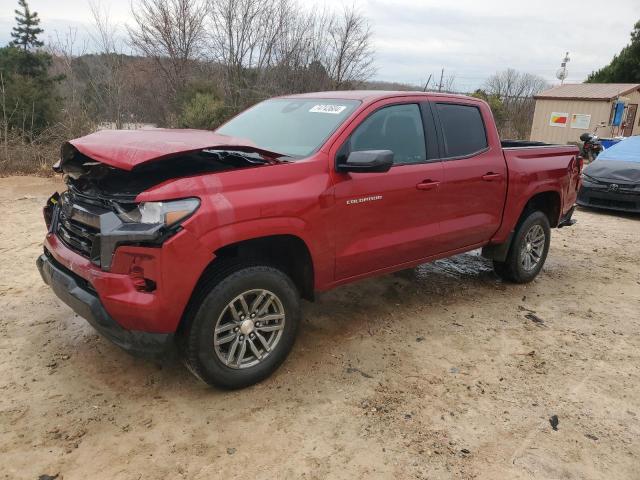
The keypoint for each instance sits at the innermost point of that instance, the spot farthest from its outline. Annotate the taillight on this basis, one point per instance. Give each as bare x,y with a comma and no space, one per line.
579,163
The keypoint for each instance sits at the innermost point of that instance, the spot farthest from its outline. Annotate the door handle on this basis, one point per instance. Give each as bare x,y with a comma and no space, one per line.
427,185
490,177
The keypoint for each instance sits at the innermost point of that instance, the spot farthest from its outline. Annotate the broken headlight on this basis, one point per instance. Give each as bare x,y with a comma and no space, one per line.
160,213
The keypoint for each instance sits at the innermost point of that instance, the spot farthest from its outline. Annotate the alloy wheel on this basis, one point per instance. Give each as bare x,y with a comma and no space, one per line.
532,248
249,328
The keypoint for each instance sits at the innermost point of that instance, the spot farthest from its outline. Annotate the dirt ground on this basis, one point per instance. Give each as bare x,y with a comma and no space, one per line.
439,372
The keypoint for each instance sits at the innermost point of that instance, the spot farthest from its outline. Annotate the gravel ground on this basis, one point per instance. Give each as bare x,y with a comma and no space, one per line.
439,372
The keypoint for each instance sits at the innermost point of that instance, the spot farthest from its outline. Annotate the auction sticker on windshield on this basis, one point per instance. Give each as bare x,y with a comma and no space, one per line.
334,109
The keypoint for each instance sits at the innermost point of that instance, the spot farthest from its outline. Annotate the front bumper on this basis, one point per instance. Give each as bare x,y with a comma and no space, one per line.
171,272
77,293
599,197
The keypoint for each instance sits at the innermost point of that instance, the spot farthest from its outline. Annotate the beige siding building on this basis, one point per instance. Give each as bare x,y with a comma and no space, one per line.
565,112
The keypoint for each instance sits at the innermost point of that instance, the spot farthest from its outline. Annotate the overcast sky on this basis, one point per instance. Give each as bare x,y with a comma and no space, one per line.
470,39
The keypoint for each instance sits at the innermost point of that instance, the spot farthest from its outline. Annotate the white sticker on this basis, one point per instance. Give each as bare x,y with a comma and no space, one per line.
334,109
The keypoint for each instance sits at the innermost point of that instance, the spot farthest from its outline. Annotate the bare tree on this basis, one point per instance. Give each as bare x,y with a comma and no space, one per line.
108,84
448,83
516,90
244,36
299,53
349,57
513,84
64,49
172,33
274,46
5,119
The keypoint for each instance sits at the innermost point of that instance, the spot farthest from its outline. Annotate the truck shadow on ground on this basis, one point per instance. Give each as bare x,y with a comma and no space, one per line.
366,306
329,324
428,280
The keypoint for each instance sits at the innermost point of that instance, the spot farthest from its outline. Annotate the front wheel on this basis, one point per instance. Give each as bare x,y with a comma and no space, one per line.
528,250
243,328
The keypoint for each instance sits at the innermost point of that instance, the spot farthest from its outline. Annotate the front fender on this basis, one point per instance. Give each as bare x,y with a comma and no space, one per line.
317,242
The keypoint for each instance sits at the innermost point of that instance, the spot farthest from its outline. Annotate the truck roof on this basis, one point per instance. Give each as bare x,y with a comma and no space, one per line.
367,95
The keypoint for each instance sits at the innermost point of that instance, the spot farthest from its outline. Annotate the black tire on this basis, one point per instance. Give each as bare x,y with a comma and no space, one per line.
197,342
513,269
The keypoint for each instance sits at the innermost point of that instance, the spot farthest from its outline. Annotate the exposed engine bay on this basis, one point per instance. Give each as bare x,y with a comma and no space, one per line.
86,176
98,212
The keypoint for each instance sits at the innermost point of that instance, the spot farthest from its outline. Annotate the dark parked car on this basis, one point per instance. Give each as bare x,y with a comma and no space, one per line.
612,181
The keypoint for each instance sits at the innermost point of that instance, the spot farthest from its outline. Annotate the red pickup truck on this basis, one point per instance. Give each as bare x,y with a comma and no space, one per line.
207,240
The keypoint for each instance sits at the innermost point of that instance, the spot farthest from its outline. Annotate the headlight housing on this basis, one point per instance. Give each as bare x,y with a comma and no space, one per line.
166,214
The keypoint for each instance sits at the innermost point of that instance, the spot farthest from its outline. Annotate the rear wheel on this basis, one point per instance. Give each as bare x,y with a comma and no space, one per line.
243,327
528,250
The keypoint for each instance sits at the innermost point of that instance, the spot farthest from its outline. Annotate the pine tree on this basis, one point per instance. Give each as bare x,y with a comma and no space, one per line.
28,89
625,67
25,33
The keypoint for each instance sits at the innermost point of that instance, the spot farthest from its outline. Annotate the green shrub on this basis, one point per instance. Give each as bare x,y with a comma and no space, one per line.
203,110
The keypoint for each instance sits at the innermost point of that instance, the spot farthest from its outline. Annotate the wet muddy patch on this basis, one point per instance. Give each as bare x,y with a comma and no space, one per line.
467,265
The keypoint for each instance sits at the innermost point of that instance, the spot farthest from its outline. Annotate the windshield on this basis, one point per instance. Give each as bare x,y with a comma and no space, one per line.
294,127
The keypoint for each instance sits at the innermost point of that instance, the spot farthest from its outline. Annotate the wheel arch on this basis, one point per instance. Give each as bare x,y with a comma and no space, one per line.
285,251
547,202
288,252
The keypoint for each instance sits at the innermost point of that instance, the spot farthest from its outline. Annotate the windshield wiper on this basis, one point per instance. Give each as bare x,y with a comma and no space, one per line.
253,158
234,156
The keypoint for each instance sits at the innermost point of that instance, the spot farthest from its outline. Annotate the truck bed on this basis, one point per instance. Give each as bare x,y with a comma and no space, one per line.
536,167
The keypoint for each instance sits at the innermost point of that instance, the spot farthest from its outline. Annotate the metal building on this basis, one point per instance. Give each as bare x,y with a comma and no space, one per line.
565,112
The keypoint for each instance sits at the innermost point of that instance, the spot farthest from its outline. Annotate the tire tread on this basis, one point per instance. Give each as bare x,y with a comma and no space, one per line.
509,269
216,282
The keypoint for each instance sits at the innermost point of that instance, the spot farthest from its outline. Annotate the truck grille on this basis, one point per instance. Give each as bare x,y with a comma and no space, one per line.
78,226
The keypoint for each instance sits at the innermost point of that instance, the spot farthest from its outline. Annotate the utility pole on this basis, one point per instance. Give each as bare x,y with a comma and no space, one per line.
441,75
427,84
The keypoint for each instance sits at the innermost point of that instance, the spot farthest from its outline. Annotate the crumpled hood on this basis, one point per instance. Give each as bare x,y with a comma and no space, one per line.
126,149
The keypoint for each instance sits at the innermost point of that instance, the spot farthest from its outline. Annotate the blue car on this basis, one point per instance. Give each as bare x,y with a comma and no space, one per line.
612,181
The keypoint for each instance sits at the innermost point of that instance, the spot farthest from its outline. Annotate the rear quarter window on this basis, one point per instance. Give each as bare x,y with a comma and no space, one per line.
462,128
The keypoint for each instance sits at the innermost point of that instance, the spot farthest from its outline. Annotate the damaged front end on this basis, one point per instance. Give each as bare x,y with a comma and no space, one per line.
126,261
98,212
94,229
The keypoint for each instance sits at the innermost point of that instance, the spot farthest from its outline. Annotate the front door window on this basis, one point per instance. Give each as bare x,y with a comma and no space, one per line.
397,128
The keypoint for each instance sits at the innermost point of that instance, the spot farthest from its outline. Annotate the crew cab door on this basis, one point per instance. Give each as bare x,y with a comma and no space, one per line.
474,190
386,219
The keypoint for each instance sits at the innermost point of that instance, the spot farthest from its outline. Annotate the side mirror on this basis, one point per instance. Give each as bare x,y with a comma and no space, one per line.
367,161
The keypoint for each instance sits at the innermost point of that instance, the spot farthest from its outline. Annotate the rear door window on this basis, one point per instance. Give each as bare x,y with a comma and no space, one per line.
463,129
